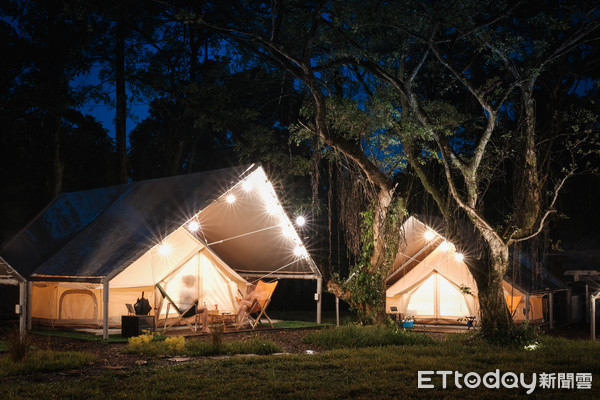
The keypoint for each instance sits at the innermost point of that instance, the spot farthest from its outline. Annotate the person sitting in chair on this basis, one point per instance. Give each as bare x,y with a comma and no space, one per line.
188,297
247,301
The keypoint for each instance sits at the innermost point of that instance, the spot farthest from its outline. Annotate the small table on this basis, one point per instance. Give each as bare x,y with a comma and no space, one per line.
222,317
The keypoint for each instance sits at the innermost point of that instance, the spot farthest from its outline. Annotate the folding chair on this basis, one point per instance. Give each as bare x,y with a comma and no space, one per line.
259,306
183,314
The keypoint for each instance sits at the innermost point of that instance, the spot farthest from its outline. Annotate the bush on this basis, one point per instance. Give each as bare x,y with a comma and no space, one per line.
153,345
156,346
517,335
353,336
18,343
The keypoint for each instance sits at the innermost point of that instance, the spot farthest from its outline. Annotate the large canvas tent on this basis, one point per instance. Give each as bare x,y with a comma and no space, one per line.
431,282
90,253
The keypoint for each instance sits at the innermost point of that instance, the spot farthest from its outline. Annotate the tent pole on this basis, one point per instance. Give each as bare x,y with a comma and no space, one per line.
28,305
551,309
593,317
23,306
337,311
527,307
587,303
105,310
318,296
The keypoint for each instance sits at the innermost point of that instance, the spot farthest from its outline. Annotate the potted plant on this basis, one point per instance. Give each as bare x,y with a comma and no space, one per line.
408,321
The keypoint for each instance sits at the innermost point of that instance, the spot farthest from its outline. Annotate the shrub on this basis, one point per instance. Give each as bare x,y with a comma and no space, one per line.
216,333
18,343
516,335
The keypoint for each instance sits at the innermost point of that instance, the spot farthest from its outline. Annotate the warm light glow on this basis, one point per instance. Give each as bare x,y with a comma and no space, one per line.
300,220
271,205
289,232
300,251
429,235
459,256
230,199
165,249
247,185
193,226
445,246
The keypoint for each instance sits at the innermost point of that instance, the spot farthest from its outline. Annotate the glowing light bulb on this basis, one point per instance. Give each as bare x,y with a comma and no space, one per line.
429,235
300,220
459,256
300,251
230,199
193,226
165,249
445,246
288,231
247,185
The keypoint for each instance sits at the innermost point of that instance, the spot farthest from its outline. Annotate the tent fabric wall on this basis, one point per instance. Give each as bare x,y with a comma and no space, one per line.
432,290
429,281
72,303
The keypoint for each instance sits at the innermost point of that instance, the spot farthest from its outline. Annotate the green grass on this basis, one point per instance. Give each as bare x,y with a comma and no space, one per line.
375,372
352,336
115,338
45,361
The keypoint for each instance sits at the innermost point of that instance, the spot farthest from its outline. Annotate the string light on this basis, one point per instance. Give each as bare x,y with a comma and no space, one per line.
247,185
300,251
445,246
429,235
300,220
459,256
165,249
193,226
230,199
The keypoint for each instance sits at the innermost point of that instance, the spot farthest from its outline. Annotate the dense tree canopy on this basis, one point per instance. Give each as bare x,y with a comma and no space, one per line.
479,111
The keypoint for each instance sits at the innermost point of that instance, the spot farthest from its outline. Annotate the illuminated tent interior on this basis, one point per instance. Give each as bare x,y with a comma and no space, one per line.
431,282
90,253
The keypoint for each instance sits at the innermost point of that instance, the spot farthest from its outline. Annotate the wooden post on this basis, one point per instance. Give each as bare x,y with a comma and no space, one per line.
527,307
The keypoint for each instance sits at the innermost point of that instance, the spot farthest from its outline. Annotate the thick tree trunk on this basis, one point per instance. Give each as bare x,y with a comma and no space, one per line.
367,295
489,275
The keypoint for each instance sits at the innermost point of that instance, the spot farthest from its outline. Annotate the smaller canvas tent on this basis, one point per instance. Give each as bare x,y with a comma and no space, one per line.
431,282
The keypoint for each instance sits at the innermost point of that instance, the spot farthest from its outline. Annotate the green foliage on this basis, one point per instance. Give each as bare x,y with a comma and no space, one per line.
152,345
353,336
216,334
517,335
18,343
379,372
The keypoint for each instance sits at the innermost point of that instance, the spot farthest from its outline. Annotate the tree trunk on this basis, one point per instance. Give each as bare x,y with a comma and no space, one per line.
489,275
121,120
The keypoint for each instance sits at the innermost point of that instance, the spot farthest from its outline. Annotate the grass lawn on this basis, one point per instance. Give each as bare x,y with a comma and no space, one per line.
382,372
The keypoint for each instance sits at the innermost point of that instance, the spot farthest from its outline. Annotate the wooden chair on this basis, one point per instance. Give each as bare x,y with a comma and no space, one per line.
260,303
182,314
